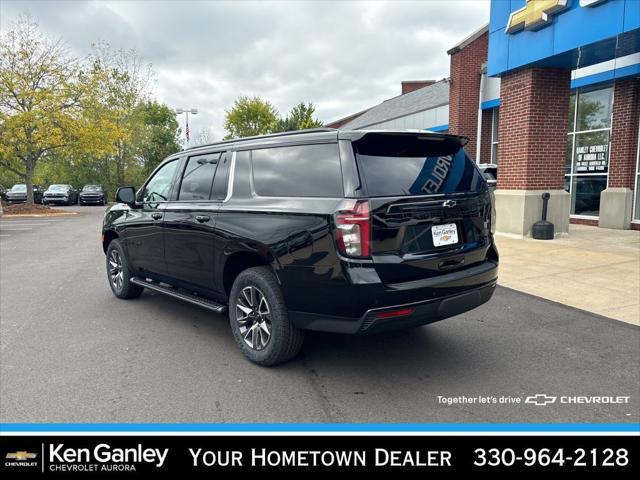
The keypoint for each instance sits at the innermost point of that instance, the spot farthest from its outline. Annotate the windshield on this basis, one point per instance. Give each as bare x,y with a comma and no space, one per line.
402,165
91,188
58,188
19,188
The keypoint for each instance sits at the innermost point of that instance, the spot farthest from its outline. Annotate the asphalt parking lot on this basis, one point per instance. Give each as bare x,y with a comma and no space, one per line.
72,352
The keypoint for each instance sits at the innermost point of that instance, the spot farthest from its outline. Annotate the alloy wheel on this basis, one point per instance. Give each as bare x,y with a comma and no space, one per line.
254,317
115,269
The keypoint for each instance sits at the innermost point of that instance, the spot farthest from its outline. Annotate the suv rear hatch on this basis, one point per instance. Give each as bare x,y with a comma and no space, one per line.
430,208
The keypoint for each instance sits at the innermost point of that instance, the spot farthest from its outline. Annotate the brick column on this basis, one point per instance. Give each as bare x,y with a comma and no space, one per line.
464,90
534,113
616,202
624,133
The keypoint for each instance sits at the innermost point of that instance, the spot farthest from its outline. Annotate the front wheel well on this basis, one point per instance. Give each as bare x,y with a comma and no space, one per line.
107,238
238,262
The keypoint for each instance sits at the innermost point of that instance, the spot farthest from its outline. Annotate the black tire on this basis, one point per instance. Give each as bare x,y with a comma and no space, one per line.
122,286
284,341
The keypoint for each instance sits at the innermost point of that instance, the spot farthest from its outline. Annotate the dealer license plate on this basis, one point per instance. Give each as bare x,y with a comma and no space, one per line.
446,234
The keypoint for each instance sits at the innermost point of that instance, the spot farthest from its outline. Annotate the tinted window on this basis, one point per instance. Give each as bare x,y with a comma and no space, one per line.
300,171
393,165
158,188
219,190
198,177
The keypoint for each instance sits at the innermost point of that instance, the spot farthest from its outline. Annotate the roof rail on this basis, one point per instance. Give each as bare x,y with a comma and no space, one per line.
269,135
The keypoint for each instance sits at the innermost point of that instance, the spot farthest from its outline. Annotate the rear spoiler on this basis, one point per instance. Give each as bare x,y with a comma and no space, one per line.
355,135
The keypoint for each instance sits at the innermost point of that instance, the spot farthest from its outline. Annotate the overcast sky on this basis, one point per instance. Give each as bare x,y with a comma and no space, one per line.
342,56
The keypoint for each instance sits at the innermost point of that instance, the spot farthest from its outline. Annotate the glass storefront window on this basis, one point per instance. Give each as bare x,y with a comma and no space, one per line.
591,152
594,109
572,112
495,119
585,196
568,156
587,152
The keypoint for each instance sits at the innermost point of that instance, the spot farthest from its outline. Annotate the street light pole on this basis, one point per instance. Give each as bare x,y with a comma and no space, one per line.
187,111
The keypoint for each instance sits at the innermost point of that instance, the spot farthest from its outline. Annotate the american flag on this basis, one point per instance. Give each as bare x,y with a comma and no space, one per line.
186,132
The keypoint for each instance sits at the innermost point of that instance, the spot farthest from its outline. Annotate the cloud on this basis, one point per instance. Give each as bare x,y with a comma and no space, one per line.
342,56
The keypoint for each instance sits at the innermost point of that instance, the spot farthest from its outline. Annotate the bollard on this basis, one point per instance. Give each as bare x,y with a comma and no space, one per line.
543,230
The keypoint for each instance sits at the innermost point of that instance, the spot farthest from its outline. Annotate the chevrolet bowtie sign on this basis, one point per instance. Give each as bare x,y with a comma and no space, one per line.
538,13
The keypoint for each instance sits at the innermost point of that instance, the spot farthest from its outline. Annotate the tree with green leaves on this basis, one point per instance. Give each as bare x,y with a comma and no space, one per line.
42,90
300,118
157,134
250,116
124,84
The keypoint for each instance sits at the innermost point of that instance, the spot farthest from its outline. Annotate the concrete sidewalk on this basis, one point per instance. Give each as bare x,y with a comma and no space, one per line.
593,269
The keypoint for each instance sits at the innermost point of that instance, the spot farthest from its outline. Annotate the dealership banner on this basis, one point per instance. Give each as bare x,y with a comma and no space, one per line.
53,456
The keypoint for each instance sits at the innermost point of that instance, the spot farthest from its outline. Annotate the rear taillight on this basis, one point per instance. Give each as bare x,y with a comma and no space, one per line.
353,228
402,312
492,217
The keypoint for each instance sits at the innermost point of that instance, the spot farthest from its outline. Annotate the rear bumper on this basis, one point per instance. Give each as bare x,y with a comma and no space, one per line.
429,300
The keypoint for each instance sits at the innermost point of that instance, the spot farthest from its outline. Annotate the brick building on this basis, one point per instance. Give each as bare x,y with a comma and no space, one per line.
550,92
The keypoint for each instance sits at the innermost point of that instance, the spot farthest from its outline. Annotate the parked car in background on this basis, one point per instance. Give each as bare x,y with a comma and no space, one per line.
63,194
18,193
354,232
93,194
490,172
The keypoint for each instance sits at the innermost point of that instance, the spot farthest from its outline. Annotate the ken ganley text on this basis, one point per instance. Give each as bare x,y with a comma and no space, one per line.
103,457
262,457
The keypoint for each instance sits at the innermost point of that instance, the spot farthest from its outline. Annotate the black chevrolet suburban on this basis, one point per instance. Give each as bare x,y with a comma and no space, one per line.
341,231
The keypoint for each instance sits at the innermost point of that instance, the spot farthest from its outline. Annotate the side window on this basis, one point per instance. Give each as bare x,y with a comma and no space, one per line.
298,171
219,190
157,189
197,180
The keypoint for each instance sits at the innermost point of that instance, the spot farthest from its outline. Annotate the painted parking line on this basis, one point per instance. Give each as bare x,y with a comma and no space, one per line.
3,229
30,220
3,224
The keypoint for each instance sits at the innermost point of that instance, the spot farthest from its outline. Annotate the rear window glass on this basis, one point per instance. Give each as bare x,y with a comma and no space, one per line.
298,171
399,165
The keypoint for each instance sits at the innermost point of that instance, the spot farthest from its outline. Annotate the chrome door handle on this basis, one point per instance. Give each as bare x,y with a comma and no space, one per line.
203,218
156,216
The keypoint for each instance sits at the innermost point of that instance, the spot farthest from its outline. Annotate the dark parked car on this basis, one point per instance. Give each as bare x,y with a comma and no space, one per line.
342,231
60,194
18,193
93,194
490,172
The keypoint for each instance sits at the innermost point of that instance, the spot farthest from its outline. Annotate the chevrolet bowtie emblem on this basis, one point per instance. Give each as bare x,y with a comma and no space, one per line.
20,455
540,399
535,14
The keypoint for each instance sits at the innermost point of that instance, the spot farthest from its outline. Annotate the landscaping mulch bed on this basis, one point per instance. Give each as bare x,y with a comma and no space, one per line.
37,209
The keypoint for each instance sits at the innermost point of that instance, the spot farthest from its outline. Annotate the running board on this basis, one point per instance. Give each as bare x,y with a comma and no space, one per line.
185,297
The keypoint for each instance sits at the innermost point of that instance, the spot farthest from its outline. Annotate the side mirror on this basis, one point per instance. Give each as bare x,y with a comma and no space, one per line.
126,195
